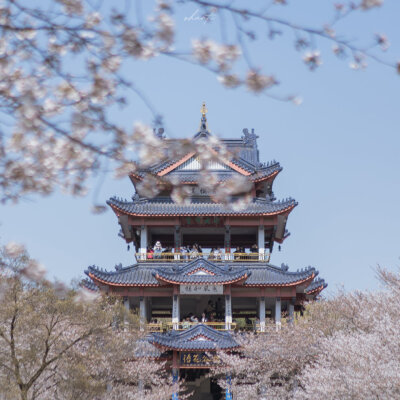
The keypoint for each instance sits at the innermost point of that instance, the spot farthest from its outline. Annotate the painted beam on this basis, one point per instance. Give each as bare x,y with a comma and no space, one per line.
269,292
136,292
172,221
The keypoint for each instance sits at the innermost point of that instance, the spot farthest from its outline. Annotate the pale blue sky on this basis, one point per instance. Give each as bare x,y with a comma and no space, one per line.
339,150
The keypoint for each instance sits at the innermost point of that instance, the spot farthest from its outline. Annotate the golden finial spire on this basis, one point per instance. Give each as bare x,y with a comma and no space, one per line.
204,109
203,122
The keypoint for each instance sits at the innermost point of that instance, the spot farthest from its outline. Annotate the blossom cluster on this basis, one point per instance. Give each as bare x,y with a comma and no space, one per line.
62,76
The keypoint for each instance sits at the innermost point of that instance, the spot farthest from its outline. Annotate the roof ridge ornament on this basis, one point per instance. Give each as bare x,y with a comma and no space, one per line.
118,267
250,138
284,267
159,133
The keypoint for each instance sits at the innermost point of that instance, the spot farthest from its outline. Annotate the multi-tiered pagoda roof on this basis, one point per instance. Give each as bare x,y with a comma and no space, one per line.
205,272
250,229
205,257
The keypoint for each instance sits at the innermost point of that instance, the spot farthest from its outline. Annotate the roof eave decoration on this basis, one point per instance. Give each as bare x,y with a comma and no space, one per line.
282,278
134,176
285,236
268,176
169,209
126,277
201,272
105,282
316,287
291,284
205,282
89,285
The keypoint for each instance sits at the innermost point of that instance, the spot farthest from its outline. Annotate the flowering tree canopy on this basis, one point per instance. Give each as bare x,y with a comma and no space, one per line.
56,343
343,348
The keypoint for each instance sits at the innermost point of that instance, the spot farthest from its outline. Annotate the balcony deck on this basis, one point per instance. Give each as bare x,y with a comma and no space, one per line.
187,257
181,326
219,326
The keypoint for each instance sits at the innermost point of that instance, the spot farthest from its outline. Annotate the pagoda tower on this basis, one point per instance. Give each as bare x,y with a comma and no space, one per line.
203,260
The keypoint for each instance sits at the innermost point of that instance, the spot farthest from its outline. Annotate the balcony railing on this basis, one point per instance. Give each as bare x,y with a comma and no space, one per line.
220,326
187,257
181,326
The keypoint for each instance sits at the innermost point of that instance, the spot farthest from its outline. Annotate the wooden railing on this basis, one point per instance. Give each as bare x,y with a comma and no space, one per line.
187,257
181,326
220,326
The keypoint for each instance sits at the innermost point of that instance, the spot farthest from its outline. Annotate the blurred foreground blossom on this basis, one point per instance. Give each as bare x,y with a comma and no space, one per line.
61,128
312,59
34,271
367,4
149,187
382,41
203,50
14,250
257,82
230,81
181,195
358,62
240,185
98,209
84,295
60,289
242,203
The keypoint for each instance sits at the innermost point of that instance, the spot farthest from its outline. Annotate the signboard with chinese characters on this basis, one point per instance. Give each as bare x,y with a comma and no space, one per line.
197,191
201,289
198,360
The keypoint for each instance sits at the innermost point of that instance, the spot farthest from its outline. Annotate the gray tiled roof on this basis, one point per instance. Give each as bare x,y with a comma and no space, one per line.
198,337
144,349
246,165
258,275
162,165
270,276
193,176
257,172
213,274
154,207
89,284
239,161
265,171
316,286
131,276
